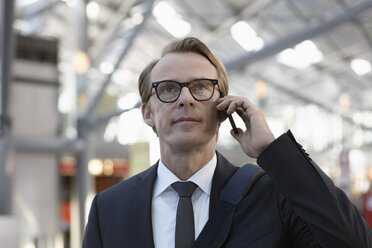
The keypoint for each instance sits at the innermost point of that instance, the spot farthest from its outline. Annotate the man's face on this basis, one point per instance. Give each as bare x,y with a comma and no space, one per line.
185,123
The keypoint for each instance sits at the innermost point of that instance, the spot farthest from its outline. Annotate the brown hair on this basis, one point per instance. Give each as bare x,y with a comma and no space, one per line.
189,44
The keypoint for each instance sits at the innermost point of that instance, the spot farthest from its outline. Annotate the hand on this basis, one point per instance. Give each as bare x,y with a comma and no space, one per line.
257,135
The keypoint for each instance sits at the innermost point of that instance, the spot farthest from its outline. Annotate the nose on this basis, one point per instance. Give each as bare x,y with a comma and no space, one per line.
185,98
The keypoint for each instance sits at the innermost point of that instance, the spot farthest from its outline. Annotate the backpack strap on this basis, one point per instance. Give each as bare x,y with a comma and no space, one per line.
231,194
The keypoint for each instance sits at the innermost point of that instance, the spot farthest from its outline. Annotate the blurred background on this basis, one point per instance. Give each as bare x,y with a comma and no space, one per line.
70,118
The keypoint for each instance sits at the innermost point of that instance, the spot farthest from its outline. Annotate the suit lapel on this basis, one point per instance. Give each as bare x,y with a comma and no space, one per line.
224,170
140,214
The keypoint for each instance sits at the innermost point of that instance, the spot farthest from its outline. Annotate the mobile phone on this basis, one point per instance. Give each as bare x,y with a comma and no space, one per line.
232,122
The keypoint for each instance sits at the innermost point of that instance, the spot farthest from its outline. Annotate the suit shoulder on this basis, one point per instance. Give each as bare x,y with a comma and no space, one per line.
129,186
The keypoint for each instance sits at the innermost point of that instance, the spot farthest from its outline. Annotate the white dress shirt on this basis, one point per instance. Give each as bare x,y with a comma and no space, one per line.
165,201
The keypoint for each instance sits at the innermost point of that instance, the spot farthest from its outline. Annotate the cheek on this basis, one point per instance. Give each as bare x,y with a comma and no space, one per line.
213,116
161,118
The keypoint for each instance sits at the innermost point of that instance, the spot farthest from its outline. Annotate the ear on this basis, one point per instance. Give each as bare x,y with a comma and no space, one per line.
147,115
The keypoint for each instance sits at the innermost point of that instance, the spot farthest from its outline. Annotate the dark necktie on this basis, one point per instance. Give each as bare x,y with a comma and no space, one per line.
185,233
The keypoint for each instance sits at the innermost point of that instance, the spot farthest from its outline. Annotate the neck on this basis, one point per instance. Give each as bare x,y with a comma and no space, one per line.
184,163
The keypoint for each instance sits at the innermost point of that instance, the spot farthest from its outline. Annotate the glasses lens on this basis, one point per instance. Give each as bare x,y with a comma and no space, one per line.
168,91
201,89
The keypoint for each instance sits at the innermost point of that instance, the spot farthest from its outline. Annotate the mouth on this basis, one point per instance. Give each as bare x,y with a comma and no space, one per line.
185,119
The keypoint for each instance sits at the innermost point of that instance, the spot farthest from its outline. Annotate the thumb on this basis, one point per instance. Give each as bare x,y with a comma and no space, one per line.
238,135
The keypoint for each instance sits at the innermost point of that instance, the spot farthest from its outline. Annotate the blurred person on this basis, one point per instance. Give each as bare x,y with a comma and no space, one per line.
292,204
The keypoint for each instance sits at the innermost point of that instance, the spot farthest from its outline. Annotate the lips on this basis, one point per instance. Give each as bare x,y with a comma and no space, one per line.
186,119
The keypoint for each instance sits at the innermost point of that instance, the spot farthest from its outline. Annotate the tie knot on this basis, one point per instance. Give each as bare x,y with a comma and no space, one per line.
184,189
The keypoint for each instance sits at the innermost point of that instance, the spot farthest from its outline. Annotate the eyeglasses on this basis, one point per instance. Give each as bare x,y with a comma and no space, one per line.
201,89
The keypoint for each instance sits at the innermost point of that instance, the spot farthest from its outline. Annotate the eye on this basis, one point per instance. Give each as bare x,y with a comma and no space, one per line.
167,87
200,86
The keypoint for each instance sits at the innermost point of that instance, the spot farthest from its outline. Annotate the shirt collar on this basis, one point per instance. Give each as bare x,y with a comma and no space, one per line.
202,178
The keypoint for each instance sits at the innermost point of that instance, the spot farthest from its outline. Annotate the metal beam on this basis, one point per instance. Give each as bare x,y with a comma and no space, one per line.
2,53
64,145
255,7
7,46
6,54
83,184
35,9
46,145
299,36
134,32
109,31
5,180
308,100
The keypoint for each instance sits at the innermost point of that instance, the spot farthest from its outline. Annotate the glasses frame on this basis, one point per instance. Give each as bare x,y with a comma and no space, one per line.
185,84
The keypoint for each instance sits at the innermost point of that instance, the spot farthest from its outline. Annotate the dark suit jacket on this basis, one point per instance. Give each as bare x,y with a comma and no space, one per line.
294,205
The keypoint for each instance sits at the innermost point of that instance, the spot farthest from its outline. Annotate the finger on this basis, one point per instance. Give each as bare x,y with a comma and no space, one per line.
232,107
238,135
225,98
244,109
232,103
237,105
240,111
223,103
228,97
244,116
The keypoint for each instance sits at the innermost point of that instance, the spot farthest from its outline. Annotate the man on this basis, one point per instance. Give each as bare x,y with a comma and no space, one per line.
293,205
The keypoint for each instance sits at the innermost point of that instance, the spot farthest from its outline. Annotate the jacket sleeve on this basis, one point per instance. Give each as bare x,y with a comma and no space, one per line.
92,235
330,219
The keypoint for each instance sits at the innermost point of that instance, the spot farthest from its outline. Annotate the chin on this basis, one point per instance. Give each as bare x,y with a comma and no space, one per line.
189,140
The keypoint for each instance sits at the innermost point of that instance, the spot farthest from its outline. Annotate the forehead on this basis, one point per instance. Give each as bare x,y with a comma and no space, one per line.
183,67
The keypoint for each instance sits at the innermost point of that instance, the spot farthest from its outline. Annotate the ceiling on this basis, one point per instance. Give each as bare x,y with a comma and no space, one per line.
121,37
